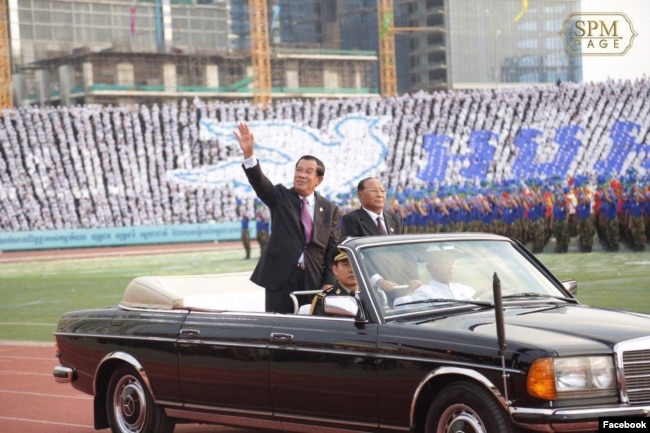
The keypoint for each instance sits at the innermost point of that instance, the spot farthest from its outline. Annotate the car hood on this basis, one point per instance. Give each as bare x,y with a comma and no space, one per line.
558,329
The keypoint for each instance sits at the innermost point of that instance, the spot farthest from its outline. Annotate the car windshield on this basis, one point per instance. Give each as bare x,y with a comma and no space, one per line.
423,276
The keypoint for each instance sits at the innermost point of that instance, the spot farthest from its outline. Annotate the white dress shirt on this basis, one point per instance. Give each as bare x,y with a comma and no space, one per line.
435,290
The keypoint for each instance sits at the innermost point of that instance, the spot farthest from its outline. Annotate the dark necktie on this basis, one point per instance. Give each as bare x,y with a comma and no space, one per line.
305,216
380,226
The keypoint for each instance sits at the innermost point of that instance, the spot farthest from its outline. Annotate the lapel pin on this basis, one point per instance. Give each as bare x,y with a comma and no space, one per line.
320,209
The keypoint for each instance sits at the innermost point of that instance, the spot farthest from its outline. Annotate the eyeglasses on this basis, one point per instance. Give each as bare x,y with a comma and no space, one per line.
376,191
308,172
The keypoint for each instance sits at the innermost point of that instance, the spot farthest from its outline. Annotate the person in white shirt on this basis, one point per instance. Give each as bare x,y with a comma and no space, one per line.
441,265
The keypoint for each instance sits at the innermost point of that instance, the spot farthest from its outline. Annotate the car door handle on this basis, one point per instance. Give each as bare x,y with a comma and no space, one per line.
190,332
281,337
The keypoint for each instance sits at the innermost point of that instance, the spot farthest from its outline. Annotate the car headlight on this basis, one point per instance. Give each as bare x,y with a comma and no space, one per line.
575,377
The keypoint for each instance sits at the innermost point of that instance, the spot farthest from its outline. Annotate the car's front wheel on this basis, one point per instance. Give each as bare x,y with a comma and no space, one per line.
131,408
466,407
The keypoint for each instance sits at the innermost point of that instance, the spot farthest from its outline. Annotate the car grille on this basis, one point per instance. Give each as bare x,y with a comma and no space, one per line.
634,361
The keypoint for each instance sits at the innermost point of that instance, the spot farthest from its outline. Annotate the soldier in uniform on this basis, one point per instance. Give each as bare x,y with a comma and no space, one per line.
560,222
245,235
635,219
262,220
608,219
346,283
537,222
585,218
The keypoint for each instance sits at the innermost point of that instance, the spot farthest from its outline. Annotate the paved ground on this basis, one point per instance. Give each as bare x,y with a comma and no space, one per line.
30,399
32,402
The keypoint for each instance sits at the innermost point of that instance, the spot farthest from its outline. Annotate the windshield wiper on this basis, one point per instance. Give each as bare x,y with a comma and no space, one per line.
537,295
457,301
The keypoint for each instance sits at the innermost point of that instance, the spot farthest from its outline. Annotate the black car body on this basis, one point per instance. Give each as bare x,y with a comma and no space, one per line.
201,349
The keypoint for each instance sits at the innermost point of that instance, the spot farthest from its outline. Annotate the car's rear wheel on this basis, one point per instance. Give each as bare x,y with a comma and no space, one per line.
466,407
131,408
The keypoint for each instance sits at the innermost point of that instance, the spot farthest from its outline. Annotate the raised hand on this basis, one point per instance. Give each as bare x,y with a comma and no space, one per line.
246,139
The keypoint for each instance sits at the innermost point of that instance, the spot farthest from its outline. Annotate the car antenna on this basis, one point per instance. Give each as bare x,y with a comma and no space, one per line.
501,330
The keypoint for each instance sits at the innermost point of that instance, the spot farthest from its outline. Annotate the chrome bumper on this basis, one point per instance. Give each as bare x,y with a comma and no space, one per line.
571,420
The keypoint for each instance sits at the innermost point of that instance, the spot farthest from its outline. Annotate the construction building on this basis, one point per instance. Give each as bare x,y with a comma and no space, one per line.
125,51
117,51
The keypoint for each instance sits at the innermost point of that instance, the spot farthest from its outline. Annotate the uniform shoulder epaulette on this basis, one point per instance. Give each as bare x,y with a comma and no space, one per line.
316,300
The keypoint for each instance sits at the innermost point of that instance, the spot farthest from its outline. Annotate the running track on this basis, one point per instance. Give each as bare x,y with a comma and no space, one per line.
82,253
30,399
32,402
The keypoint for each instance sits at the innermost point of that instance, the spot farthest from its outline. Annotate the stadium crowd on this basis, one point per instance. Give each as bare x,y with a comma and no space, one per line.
92,166
534,212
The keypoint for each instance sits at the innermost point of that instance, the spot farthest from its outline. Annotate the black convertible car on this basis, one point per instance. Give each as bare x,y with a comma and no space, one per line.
476,335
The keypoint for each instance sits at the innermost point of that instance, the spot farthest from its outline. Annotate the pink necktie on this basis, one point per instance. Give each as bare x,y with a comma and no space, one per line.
305,216
380,226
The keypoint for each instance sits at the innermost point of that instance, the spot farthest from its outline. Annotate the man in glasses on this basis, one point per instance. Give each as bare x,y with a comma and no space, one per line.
372,219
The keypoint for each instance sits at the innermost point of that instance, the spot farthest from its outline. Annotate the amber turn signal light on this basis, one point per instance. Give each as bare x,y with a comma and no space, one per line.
541,379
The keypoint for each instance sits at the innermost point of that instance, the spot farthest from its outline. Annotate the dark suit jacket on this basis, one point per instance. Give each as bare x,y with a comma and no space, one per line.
397,267
287,240
359,223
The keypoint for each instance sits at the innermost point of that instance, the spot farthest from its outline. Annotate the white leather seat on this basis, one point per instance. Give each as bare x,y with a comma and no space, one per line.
302,298
304,309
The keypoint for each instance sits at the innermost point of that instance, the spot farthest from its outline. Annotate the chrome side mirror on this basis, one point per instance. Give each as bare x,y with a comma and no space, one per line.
571,286
343,306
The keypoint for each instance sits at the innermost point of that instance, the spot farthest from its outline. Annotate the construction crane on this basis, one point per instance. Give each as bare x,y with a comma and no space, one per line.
260,51
387,32
387,69
6,98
